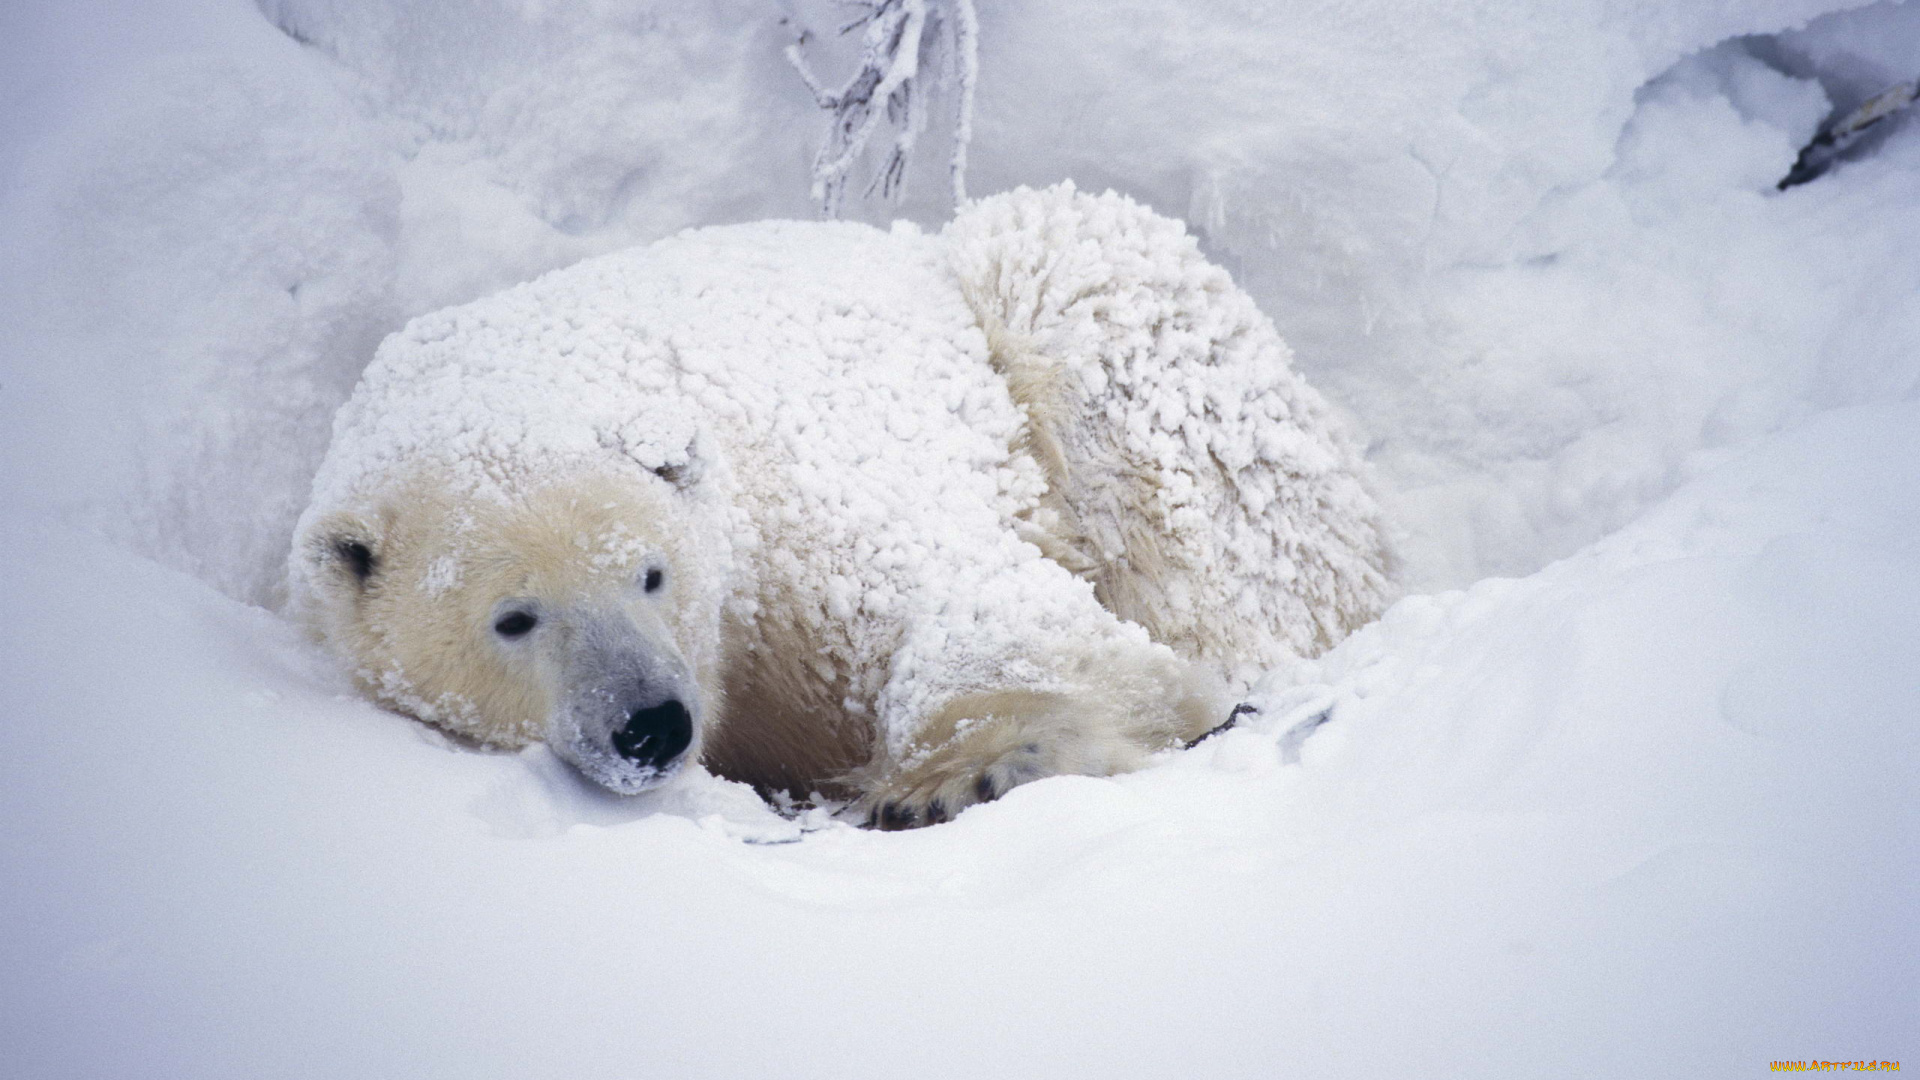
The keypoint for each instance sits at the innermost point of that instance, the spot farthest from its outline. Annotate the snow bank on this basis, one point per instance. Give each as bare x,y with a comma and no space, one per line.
210,223
1647,810
197,264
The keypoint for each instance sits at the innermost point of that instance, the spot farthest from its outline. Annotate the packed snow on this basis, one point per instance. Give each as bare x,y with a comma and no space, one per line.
1625,785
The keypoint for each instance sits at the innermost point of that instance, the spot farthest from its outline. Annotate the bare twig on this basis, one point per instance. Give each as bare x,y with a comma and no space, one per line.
1819,155
901,41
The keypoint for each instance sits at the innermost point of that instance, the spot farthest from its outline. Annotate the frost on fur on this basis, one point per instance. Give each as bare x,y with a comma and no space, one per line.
1204,489
908,519
901,42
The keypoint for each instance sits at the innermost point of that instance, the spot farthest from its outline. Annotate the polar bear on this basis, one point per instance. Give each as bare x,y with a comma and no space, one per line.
899,518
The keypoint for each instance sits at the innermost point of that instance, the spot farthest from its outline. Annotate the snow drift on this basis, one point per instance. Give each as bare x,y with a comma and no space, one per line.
1646,805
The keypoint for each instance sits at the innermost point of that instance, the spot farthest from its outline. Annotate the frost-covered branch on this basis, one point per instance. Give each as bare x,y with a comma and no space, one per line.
901,43
1819,155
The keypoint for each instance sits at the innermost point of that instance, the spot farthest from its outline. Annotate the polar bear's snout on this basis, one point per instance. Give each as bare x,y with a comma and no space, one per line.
655,736
628,712
627,741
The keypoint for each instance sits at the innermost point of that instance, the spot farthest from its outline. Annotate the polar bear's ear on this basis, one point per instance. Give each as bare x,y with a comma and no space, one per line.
357,555
684,470
680,476
344,548
651,445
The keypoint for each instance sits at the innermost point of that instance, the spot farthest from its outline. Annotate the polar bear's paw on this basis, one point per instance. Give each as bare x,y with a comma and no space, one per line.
981,747
922,799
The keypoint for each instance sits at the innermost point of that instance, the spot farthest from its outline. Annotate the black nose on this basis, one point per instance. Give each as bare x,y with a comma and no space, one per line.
655,735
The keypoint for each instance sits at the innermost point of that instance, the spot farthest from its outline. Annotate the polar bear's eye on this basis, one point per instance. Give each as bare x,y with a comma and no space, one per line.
655,578
515,624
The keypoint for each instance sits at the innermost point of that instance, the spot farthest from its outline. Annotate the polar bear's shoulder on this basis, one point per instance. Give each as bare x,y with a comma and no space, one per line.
614,352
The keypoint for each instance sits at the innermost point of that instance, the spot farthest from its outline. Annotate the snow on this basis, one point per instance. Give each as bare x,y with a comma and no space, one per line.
1645,804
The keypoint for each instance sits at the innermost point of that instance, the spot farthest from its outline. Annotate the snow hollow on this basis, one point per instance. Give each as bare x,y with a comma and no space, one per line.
1625,785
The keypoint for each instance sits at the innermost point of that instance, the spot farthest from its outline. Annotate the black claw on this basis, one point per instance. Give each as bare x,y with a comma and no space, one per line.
936,812
895,816
983,789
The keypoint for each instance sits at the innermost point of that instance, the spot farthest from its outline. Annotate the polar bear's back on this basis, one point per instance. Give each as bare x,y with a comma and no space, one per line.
1208,493
766,331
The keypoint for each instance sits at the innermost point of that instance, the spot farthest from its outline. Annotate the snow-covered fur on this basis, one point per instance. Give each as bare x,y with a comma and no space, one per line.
908,518
1203,488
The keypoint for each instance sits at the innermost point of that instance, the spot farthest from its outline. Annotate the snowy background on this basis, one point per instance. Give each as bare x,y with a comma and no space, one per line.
1625,786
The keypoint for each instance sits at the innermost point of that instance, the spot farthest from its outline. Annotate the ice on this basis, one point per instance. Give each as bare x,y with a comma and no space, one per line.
1624,788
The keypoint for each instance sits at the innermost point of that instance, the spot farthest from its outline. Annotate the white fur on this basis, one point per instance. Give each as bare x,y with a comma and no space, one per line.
941,514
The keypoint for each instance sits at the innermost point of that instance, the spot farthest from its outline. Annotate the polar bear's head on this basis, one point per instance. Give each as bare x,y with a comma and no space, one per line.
584,613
